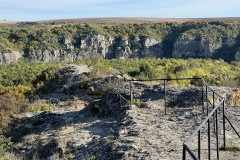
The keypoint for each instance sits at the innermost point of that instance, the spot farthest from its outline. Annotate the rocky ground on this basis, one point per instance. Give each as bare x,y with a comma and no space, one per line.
109,128
124,133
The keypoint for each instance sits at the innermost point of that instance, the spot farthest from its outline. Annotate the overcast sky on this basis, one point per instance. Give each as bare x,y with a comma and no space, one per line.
33,10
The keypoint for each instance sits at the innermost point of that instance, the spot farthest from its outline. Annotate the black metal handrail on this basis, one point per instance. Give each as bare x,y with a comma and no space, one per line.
164,83
213,114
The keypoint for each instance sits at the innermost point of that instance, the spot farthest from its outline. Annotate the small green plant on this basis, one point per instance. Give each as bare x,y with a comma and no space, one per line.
40,107
112,143
137,102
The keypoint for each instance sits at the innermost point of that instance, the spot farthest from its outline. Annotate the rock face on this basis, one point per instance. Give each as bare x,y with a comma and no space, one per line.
108,47
78,81
10,57
190,47
105,47
237,56
230,41
99,45
54,55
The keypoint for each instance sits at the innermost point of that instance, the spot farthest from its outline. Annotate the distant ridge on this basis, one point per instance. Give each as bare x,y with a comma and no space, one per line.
127,20
138,20
7,22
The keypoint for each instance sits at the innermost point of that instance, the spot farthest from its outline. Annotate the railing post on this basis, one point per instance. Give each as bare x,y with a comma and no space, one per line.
130,83
207,97
120,101
49,104
165,105
214,124
184,153
199,144
209,143
224,130
202,97
217,133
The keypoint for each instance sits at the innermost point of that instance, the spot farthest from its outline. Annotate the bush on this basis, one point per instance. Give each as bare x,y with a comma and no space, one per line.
137,102
39,107
5,145
7,108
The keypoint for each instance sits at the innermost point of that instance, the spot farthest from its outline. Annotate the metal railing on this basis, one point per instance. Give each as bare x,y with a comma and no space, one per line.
213,114
123,101
165,89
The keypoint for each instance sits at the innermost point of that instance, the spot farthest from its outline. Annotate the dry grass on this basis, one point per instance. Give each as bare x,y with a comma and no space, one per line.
137,20
129,20
7,22
231,147
155,107
66,130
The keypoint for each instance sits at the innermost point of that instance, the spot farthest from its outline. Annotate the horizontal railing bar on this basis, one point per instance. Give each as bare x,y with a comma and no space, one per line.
122,97
164,79
207,119
232,126
189,151
200,126
211,88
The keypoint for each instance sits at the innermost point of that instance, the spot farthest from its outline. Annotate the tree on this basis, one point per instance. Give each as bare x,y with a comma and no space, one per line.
147,69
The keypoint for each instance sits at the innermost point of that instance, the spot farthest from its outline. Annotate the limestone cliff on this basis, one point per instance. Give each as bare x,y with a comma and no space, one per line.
191,47
108,47
10,57
105,47
7,55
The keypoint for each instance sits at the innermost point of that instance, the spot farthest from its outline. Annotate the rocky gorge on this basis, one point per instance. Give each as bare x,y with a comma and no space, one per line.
108,47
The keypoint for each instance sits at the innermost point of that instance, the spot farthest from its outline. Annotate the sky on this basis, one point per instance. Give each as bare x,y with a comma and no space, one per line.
34,10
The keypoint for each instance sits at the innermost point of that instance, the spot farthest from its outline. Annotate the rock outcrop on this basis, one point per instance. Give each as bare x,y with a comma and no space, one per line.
237,56
99,45
10,57
190,47
108,47
120,131
105,47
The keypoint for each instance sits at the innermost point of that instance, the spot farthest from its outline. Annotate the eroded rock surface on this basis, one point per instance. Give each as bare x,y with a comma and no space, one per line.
120,131
190,47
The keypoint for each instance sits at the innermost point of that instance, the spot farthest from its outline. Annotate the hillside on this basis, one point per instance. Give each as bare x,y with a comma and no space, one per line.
77,41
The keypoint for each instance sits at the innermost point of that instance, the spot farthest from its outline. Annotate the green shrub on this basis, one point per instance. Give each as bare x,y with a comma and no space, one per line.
137,102
5,145
39,107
